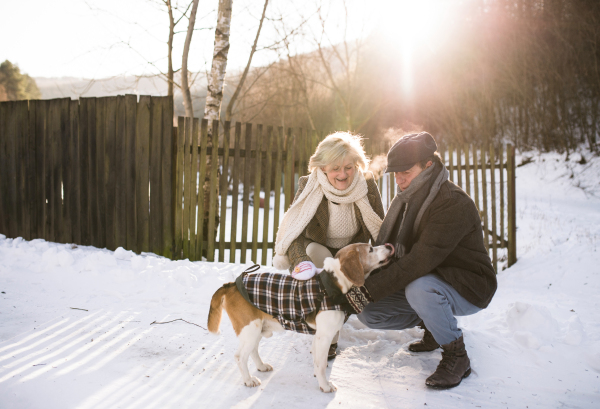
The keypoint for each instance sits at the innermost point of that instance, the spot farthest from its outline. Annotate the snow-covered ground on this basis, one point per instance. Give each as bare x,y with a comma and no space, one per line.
75,325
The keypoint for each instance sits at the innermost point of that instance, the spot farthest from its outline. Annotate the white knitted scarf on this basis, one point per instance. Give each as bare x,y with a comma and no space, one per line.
304,208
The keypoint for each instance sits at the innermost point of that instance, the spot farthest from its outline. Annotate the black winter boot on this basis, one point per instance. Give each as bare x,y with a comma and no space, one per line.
454,366
426,344
332,351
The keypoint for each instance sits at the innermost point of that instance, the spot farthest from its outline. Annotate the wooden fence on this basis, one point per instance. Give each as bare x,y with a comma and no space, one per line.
82,171
114,171
249,222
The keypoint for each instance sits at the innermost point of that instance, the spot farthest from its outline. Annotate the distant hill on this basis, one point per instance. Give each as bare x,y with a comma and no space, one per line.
74,88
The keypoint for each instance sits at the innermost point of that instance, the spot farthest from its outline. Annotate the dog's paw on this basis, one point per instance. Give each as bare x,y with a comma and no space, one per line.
252,382
265,368
329,388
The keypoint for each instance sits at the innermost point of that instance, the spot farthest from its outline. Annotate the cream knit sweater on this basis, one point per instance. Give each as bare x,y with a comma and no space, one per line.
342,224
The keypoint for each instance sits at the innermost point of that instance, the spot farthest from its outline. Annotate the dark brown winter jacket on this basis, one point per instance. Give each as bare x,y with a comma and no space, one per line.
448,242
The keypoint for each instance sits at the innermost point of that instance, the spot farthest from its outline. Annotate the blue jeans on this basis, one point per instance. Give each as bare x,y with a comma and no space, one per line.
428,298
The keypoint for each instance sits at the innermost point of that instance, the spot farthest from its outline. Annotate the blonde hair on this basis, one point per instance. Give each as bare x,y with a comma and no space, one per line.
336,147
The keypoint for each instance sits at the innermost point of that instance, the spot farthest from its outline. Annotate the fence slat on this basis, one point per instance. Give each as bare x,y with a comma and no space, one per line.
468,168
101,127
278,174
451,162
110,146
246,194
119,171
55,163
142,149
288,185
22,151
267,202
494,204
193,187
212,207
512,206
4,169
476,180
130,175
180,166
40,198
73,210
187,180
301,148
156,211
459,166
501,173
92,171
84,170
257,170
486,236
167,177
392,183
235,193
201,229
30,184
224,189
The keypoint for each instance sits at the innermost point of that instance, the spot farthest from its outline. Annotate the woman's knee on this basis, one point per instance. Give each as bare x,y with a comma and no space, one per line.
318,253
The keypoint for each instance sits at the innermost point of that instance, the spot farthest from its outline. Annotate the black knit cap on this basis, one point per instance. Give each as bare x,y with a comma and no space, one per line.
409,150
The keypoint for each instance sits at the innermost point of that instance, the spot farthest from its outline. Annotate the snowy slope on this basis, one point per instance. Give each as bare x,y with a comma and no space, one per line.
536,346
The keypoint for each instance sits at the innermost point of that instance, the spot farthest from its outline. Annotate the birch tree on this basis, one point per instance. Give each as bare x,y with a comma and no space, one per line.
214,96
216,78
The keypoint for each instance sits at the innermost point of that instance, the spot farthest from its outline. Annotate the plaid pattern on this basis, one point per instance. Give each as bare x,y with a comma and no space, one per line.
287,299
316,231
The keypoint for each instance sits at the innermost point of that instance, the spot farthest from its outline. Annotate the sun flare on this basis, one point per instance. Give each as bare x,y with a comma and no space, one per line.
411,27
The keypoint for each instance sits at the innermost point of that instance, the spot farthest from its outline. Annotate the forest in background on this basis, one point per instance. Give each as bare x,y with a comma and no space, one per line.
523,71
519,71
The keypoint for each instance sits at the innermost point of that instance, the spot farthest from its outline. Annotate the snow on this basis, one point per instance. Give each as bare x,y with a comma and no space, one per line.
75,325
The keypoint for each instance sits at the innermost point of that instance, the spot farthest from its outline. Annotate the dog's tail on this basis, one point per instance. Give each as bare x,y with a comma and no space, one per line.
216,309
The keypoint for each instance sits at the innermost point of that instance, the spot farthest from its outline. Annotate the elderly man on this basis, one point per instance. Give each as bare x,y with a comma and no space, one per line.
442,268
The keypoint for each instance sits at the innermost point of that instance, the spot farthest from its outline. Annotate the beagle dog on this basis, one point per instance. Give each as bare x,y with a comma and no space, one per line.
351,266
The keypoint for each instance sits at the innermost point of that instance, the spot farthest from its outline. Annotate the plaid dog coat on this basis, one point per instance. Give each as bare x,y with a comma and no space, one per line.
285,298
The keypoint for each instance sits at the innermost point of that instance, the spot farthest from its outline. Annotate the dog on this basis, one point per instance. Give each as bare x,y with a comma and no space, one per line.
351,266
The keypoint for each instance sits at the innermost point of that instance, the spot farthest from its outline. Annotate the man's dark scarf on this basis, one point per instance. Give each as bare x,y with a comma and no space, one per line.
408,207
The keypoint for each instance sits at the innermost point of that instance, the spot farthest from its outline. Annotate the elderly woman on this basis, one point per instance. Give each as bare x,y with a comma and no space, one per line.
336,205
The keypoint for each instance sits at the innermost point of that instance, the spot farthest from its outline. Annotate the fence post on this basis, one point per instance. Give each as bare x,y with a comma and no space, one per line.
257,171
224,189
212,206
512,205
246,195
201,237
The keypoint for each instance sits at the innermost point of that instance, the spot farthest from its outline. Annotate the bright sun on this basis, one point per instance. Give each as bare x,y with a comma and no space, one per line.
412,26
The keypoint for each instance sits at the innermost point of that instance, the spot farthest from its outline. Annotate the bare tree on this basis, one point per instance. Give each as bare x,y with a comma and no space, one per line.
240,83
185,88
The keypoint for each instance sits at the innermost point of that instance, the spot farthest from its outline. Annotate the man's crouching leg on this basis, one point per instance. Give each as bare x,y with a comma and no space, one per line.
437,303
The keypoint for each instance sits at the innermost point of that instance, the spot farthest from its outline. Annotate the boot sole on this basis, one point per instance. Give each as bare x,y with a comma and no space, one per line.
422,350
467,373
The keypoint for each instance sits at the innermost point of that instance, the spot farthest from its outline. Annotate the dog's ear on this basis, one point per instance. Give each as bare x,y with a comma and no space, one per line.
352,268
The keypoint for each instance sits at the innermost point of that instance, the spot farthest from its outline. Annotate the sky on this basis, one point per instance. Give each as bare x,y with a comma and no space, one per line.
99,39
